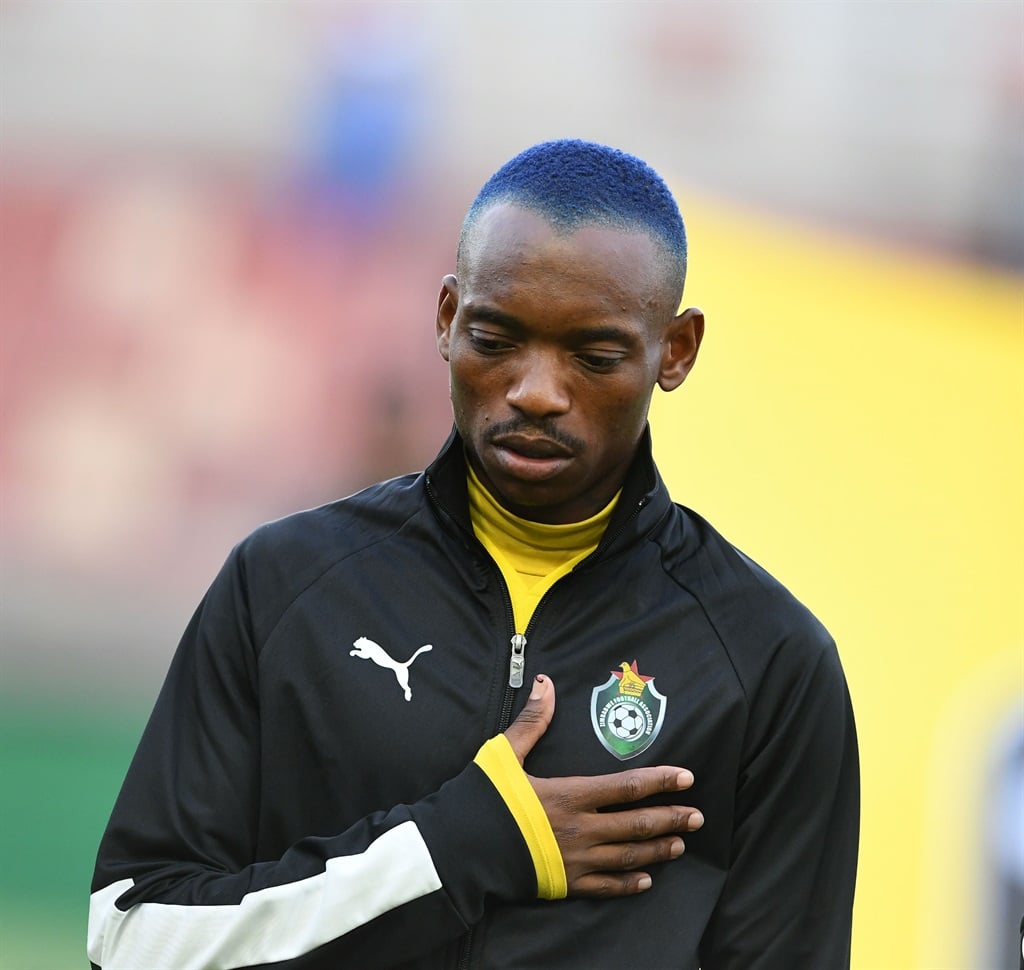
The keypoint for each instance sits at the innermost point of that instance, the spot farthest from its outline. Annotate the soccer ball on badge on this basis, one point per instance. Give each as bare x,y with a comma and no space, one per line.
626,721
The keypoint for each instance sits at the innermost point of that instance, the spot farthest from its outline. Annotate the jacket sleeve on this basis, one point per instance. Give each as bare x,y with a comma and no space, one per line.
788,896
177,881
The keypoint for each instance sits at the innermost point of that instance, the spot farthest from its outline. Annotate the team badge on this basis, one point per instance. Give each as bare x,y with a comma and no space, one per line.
627,712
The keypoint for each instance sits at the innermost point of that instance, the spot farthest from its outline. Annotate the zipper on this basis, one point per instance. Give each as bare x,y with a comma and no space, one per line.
517,661
516,664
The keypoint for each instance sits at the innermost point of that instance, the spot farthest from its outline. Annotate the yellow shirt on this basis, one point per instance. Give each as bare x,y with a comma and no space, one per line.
532,556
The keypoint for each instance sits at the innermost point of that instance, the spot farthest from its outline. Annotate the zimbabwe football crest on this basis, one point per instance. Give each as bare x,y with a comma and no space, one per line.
627,712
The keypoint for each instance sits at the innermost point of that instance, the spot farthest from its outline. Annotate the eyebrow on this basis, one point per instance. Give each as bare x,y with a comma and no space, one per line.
489,314
613,334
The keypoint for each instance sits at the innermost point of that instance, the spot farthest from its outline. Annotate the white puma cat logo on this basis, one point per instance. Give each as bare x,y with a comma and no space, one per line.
368,650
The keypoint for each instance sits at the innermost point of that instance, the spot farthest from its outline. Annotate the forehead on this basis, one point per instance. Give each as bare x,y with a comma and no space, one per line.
511,250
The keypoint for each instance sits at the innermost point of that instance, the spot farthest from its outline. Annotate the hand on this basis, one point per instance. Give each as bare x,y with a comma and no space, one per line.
604,852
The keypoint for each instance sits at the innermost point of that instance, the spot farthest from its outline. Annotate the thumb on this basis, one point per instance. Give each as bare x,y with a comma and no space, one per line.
533,720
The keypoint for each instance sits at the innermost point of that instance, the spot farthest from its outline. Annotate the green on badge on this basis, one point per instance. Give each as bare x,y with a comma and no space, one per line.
627,712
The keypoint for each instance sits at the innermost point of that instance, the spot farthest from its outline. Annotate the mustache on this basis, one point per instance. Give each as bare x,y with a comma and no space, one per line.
541,429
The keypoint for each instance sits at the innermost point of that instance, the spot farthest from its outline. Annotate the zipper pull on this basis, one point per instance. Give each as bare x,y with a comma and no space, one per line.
517,662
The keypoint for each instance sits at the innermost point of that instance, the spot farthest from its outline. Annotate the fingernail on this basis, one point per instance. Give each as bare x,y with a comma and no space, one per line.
677,848
644,882
538,688
695,821
685,778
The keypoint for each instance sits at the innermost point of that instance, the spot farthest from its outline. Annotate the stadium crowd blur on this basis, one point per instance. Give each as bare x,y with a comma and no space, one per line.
223,227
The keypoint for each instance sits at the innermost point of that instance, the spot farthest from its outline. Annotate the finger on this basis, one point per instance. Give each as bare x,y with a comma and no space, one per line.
608,884
623,787
533,720
642,824
626,840
634,856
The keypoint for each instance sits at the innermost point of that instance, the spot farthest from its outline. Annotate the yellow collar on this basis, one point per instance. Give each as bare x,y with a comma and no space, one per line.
531,555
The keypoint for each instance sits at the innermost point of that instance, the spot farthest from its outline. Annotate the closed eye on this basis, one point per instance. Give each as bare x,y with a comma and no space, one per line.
600,362
487,343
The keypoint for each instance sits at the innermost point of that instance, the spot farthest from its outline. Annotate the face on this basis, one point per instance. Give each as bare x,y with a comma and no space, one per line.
554,344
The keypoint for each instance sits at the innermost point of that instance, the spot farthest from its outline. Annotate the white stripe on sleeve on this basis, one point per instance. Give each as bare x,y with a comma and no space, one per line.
278,923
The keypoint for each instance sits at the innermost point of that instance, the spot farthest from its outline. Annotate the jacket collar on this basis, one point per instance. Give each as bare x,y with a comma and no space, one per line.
643,502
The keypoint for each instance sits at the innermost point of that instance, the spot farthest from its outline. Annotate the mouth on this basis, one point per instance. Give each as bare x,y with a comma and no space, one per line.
531,446
531,458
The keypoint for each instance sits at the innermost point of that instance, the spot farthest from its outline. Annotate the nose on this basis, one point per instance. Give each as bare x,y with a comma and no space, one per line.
539,389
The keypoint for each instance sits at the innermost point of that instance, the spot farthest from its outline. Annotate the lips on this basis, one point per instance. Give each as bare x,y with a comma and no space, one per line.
529,446
529,458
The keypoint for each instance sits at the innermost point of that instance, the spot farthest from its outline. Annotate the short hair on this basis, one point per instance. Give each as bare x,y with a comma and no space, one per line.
573,183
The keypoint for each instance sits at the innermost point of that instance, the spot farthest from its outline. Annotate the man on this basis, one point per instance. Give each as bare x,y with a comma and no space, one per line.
358,758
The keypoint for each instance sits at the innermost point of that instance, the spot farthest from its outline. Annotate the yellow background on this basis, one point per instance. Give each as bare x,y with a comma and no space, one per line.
854,424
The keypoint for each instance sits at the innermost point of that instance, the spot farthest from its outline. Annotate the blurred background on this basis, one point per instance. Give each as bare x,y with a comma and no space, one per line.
222,231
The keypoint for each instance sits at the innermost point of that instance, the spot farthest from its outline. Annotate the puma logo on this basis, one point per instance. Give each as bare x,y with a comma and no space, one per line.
368,650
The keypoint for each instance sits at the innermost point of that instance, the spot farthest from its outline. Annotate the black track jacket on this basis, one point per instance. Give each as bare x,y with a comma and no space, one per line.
305,796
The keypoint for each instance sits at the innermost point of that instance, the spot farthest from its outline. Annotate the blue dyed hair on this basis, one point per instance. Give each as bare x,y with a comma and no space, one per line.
573,183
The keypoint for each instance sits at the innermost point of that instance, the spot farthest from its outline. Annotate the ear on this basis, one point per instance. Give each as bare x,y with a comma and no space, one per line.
447,304
682,341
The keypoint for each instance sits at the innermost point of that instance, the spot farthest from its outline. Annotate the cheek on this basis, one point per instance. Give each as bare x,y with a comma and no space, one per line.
473,379
625,403
467,388
625,413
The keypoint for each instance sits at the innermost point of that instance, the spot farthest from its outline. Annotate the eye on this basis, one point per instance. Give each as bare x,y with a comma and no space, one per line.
487,343
599,362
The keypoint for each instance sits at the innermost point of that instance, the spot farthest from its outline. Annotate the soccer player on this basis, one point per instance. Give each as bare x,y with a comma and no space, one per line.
469,717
